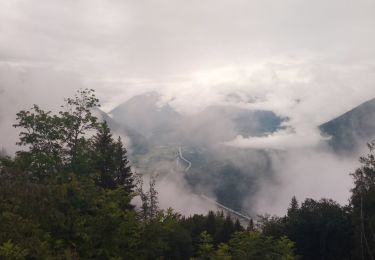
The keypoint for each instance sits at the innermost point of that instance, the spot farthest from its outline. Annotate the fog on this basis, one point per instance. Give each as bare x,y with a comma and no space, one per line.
305,173
306,61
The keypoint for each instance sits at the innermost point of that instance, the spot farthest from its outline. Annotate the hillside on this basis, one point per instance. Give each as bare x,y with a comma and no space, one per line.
157,132
352,129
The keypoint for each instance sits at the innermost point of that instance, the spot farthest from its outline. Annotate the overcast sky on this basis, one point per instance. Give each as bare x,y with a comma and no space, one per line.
308,60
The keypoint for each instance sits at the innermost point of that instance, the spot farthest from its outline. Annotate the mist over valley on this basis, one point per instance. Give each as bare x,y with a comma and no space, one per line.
250,180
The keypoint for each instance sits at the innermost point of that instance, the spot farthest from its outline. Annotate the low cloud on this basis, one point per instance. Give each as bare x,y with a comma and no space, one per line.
304,173
281,140
174,192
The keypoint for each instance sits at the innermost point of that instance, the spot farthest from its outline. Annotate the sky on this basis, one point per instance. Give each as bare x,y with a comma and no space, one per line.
295,57
309,61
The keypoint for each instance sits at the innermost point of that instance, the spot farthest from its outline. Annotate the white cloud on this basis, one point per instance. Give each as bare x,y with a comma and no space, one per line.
199,51
304,173
173,192
281,140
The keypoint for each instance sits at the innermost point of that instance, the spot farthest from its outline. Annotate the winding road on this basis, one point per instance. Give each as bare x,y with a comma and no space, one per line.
236,213
184,159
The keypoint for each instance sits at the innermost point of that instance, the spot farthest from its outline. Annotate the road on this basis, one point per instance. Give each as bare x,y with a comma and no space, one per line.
184,159
221,206
238,214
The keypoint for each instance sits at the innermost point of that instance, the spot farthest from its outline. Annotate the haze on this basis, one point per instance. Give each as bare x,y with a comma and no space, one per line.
308,61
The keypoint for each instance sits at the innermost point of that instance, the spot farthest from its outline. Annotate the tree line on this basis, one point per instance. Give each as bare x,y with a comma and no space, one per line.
67,194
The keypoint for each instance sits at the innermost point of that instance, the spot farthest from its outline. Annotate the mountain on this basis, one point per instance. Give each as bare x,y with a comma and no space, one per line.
162,125
139,144
143,114
353,129
148,123
229,173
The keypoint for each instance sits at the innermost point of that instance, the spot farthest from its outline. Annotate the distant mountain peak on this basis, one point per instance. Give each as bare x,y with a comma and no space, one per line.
353,128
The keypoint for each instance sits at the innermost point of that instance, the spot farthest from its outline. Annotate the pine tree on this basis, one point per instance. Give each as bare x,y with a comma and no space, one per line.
250,225
123,173
293,207
237,226
363,201
211,223
206,248
226,230
110,159
103,157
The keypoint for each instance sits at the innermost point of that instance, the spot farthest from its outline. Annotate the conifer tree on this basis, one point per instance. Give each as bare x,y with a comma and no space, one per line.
226,230
250,225
103,157
110,158
293,208
206,248
123,173
237,226
363,201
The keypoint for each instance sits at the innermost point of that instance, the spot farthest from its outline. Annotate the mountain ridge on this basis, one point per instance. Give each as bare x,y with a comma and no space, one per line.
352,129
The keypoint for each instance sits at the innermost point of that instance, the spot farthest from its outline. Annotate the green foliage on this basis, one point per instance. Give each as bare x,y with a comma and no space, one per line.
110,159
285,247
77,120
362,202
42,134
51,202
57,142
149,207
12,252
206,248
320,229
272,225
254,245
293,208
223,252
22,236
